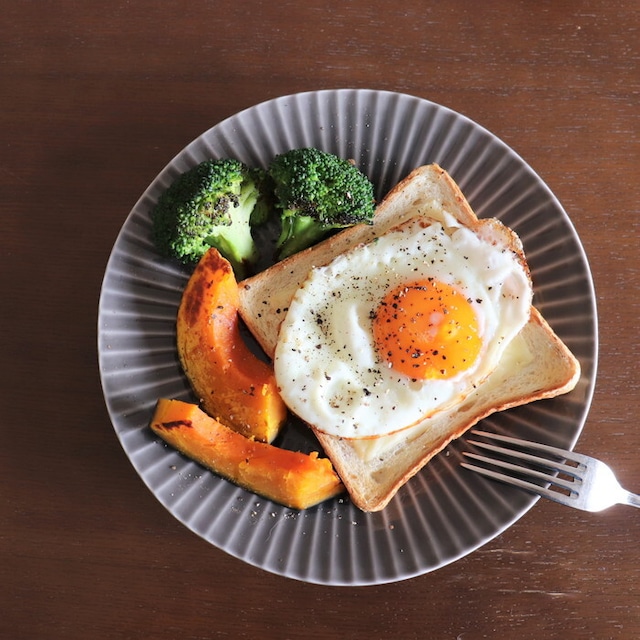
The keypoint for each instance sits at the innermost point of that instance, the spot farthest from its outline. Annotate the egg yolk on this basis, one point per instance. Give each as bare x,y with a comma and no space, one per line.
427,330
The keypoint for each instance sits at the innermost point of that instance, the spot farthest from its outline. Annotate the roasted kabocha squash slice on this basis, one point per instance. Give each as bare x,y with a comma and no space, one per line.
232,383
291,478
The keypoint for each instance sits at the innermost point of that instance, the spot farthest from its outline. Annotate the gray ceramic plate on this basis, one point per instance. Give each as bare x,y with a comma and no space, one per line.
445,512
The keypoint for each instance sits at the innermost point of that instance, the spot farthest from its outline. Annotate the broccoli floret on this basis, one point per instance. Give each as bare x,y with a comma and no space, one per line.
215,204
317,192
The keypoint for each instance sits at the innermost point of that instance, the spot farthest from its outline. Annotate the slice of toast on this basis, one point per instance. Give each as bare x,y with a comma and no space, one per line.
537,364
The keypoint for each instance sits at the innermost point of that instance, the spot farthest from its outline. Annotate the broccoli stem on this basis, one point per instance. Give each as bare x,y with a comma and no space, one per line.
235,242
299,232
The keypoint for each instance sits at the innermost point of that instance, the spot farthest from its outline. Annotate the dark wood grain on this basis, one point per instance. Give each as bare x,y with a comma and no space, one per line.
95,98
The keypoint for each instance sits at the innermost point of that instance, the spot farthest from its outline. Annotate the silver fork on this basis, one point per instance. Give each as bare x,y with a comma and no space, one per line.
583,482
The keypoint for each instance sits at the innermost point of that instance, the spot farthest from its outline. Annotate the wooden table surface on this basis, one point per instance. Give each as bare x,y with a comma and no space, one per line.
95,99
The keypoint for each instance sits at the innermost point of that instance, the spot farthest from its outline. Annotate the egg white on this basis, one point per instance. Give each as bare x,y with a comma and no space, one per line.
326,364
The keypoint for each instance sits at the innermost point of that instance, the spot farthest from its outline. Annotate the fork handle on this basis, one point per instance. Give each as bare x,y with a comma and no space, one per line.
633,499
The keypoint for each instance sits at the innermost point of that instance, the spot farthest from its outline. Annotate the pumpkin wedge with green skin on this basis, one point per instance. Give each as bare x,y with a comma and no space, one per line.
232,383
294,479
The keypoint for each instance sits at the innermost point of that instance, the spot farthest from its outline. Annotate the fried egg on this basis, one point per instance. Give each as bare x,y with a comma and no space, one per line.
401,328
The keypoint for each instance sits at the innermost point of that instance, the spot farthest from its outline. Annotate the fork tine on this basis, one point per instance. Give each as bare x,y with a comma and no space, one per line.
533,473
534,446
518,482
527,457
